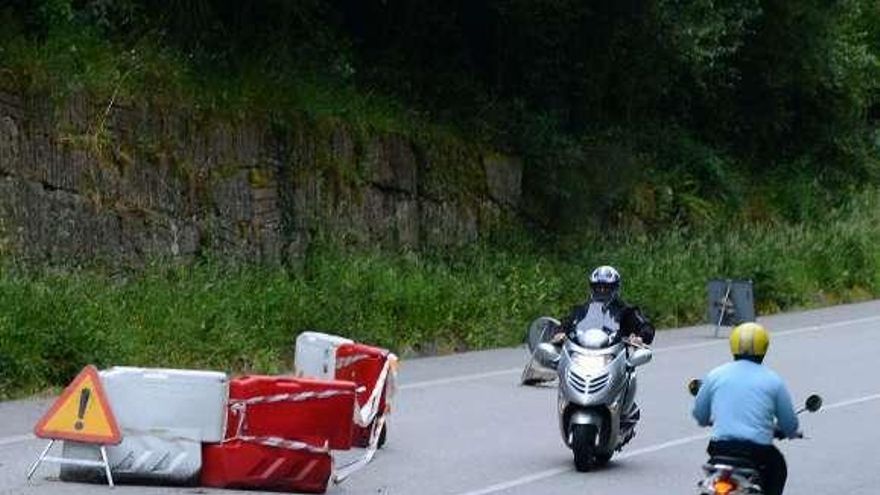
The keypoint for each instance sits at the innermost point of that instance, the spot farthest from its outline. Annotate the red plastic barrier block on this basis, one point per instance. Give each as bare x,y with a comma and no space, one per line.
314,420
362,364
238,464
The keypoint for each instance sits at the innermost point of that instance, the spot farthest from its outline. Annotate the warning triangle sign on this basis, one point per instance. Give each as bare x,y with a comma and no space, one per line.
82,413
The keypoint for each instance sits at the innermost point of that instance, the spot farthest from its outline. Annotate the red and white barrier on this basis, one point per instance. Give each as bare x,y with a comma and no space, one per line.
266,464
316,411
373,369
280,433
257,432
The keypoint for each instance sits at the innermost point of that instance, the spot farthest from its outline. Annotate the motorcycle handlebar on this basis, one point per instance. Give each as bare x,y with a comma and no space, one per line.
637,345
777,434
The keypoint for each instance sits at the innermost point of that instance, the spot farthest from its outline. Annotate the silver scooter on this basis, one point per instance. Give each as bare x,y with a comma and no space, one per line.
597,387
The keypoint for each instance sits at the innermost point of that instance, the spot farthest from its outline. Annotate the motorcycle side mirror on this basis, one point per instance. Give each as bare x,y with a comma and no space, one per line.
694,386
813,403
547,355
541,330
640,357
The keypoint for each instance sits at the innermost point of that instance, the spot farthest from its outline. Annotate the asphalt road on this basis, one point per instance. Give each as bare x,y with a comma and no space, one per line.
464,426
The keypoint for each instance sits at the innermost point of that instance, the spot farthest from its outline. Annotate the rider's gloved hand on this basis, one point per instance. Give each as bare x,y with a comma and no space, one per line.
777,434
557,338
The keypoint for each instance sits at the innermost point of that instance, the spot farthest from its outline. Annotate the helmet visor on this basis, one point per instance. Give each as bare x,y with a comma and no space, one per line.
602,292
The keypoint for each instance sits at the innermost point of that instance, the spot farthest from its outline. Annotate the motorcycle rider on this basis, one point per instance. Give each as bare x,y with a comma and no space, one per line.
741,399
605,297
605,309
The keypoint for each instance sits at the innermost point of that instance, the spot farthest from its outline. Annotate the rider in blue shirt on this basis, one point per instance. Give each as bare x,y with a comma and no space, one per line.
748,404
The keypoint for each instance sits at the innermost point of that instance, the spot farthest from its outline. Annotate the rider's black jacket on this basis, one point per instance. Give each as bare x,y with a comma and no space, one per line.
632,320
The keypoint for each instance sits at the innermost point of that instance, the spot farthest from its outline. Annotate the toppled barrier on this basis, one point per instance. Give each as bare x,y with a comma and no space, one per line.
280,432
281,465
372,369
165,415
183,427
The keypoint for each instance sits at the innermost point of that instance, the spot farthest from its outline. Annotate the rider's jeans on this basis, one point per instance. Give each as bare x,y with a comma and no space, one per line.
770,461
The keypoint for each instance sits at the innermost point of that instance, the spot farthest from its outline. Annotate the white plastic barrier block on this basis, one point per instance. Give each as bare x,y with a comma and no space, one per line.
316,354
164,416
165,456
149,401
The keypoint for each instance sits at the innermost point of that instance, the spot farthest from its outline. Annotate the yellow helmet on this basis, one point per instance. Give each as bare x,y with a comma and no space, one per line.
749,340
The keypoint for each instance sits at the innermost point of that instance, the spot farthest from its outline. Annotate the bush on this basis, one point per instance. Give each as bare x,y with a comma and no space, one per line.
246,318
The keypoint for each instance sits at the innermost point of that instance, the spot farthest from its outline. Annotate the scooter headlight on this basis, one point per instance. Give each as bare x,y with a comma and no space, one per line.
590,361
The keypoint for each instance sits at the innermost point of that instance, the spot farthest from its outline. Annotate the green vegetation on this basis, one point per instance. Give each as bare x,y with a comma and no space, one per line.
61,48
246,318
678,140
659,111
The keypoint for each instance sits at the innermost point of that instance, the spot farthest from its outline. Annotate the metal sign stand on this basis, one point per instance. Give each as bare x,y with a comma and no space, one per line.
83,401
727,307
731,302
77,462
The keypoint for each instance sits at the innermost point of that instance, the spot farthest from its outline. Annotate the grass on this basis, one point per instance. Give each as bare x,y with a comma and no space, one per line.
246,318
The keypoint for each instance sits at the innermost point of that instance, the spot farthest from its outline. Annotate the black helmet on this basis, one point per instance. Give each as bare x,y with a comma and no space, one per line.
604,284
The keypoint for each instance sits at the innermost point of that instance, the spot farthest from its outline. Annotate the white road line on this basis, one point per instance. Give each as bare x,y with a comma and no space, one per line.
478,376
783,333
663,446
659,350
549,473
851,402
16,439
525,480
461,378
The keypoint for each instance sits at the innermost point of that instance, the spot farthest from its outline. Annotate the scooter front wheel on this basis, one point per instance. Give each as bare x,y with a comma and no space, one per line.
583,444
602,459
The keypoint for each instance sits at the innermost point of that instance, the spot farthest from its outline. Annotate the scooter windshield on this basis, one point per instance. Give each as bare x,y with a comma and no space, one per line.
597,317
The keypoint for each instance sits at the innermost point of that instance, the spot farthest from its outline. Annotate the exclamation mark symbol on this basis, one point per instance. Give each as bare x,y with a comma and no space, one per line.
83,403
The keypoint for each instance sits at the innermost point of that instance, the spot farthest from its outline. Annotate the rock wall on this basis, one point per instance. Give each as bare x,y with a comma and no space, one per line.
82,181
